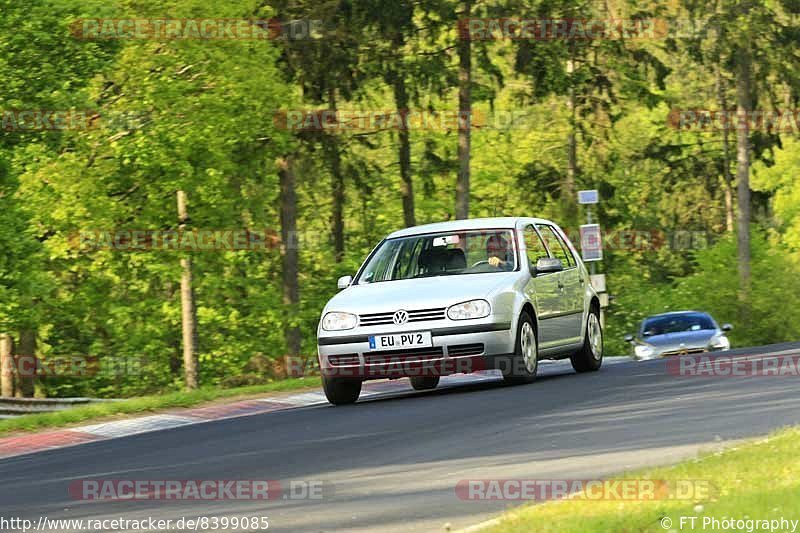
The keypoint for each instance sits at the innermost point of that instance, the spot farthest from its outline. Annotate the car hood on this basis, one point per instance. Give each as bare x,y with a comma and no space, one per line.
689,339
419,293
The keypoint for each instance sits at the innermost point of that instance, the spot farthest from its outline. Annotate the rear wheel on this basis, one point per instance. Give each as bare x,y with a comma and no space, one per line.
341,391
590,357
424,382
525,361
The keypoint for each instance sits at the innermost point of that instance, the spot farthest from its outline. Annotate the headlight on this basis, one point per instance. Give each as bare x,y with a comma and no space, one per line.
643,350
720,342
471,309
336,321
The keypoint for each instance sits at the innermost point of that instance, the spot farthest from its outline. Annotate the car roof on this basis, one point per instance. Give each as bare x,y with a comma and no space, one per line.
467,224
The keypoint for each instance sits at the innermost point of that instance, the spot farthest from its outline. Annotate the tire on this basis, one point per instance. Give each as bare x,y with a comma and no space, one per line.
525,361
341,391
590,357
424,382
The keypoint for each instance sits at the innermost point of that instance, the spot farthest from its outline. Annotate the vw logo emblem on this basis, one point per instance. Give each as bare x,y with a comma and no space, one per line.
400,317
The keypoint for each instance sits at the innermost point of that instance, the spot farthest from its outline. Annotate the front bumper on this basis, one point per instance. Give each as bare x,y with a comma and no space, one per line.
680,352
456,349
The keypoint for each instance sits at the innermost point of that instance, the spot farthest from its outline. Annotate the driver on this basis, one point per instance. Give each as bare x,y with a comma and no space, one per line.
497,251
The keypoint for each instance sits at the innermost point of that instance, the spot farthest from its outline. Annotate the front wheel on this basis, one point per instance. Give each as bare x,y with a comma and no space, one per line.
341,391
525,362
590,357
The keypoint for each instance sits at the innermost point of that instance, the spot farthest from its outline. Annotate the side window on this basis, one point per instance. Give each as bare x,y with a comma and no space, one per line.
565,246
379,268
555,246
534,246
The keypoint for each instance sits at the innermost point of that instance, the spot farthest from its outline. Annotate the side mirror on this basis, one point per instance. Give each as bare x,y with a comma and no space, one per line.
344,282
629,338
547,265
727,327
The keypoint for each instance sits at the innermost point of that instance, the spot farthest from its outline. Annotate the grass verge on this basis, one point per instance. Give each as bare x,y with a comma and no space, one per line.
758,480
100,411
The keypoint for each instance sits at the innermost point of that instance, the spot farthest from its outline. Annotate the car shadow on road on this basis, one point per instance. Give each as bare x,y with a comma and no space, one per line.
463,385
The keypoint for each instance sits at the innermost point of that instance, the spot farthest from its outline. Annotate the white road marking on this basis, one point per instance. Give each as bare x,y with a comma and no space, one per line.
121,428
308,398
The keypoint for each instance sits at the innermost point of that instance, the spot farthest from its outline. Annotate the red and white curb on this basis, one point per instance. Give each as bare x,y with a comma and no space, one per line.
36,442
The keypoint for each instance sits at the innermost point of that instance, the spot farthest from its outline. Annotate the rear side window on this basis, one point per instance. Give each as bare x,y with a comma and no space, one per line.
556,245
567,249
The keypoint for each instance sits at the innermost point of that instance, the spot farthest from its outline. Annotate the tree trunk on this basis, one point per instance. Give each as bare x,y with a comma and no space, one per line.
6,366
289,254
568,187
188,308
26,358
743,113
176,352
726,154
464,120
404,149
335,158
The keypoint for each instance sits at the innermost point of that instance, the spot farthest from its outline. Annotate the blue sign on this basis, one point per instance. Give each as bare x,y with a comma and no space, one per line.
588,197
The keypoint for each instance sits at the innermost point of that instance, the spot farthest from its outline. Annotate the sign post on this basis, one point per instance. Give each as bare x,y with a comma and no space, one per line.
592,231
592,247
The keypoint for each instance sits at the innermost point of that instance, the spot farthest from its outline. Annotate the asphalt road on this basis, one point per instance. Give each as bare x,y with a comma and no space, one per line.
391,463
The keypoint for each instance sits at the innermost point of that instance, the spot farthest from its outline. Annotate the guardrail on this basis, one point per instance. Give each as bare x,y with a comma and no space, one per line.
25,406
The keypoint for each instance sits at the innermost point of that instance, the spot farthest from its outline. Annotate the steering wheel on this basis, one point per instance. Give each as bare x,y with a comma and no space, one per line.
485,261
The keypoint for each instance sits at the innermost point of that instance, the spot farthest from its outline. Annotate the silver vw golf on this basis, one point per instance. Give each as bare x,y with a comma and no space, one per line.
460,296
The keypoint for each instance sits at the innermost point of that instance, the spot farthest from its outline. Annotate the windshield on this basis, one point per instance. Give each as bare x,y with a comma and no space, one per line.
677,323
441,254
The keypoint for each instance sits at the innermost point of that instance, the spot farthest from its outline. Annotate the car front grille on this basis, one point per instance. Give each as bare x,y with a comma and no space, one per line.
404,356
417,315
686,351
462,350
414,355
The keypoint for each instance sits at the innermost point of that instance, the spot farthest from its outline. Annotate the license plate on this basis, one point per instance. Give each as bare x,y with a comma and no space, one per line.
399,341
